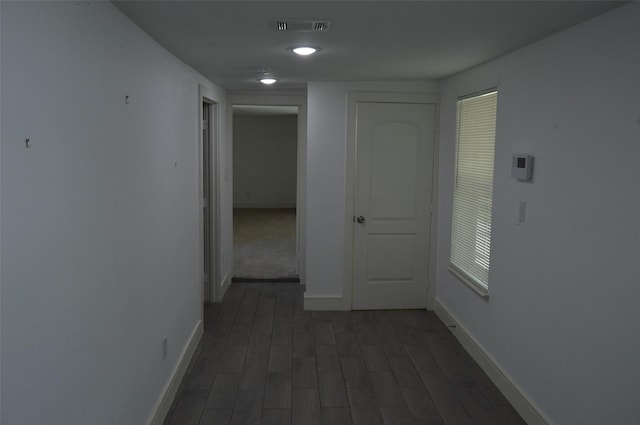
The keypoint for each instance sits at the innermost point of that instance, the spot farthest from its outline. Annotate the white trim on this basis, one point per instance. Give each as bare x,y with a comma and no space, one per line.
206,94
201,236
299,99
529,411
467,280
263,205
332,303
214,244
224,285
383,97
214,167
162,406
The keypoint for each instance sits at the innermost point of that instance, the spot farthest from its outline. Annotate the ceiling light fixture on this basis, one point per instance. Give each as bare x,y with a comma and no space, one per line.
265,76
304,50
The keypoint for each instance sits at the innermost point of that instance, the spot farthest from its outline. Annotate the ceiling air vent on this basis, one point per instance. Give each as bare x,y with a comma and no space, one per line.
300,25
321,26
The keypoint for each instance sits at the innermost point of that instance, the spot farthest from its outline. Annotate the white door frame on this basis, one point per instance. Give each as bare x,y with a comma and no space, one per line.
383,97
208,199
205,95
299,100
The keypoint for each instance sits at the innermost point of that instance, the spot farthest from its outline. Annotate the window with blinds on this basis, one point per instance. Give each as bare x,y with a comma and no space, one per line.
473,189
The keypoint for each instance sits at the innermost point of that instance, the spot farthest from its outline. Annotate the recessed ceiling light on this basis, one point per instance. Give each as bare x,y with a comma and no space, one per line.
304,50
267,80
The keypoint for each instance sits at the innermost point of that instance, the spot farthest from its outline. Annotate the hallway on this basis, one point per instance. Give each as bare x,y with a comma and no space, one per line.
264,360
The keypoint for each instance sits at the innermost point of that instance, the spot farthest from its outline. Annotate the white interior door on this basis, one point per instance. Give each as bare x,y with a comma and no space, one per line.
394,172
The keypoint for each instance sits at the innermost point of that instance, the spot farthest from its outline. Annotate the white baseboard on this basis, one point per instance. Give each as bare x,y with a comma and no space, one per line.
531,414
160,410
222,289
314,303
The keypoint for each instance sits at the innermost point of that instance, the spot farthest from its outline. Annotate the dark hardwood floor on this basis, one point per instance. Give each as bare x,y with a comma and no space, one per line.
263,360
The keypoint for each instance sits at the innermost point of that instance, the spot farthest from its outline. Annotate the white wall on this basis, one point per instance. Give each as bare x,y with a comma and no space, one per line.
264,161
562,316
326,176
100,217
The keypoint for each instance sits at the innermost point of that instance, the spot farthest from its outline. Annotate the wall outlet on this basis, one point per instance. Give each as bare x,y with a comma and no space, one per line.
165,347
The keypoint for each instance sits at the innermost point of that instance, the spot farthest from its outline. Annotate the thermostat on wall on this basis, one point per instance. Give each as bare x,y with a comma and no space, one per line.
522,167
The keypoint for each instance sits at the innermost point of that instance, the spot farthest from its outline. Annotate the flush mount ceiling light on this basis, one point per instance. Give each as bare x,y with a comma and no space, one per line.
264,76
304,50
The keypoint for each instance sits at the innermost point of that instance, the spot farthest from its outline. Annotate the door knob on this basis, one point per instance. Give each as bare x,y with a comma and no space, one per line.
360,219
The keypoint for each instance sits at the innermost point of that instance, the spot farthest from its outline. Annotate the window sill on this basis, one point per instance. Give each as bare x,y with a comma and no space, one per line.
474,286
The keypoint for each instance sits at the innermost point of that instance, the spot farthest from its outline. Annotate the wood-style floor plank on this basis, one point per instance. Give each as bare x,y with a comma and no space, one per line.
263,360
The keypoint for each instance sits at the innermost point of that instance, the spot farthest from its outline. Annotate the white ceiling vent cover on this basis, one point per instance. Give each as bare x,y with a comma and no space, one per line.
300,25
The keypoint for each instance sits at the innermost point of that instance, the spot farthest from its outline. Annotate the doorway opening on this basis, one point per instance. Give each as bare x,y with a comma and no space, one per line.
265,216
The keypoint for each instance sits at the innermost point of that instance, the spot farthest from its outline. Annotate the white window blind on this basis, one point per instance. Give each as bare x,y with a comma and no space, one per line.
473,189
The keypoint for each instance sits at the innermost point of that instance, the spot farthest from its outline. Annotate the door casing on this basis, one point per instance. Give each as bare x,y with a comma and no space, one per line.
383,97
213,291
300,101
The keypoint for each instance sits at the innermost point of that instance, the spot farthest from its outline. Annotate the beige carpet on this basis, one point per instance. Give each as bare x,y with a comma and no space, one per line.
264,243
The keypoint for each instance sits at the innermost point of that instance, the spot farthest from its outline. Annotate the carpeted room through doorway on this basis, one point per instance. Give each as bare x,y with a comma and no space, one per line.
264,243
